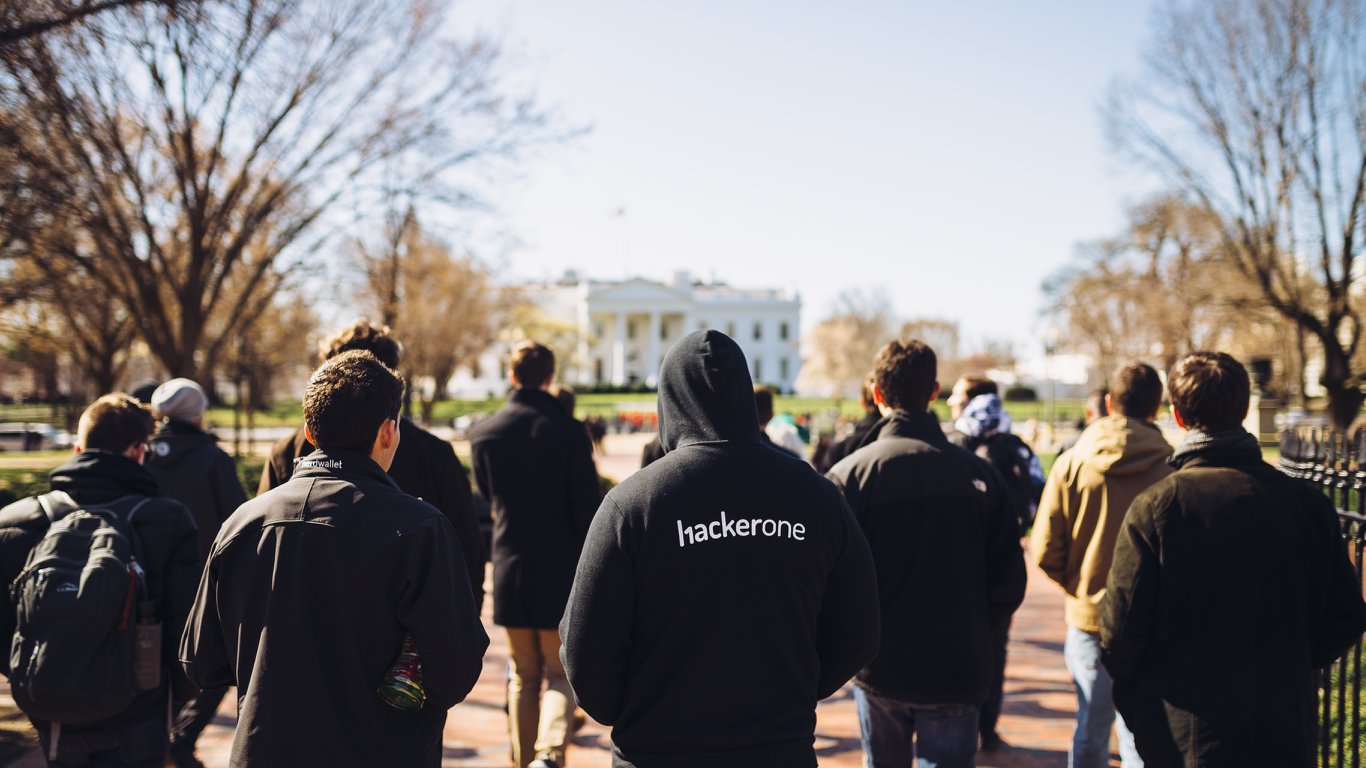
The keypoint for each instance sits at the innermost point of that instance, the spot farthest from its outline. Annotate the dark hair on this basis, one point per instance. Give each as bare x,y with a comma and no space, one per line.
114,423
532,364
1136,390
1210,390
763,403
905,372
348,398
375,339
865,395
975,386
1095,400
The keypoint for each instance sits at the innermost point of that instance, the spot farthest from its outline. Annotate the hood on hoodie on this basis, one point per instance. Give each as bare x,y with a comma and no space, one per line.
983,417
1118,445
705,393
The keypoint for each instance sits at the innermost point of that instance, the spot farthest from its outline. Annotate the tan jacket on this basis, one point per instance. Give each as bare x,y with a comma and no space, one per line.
1088,492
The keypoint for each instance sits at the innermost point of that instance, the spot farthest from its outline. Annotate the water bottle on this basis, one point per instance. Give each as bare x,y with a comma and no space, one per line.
401,687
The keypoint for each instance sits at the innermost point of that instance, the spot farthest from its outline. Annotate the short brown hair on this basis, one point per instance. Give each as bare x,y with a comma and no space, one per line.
375,339
532,364
904,372
763,403
976,386
1136,390
348,398
114,423
1210,390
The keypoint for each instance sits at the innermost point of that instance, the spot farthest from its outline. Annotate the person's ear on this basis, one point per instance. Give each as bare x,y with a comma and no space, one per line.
878,399
308,436
1180,422
934,393
1109,403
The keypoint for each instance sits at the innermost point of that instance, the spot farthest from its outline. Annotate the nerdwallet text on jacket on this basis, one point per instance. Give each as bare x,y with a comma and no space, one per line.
724,529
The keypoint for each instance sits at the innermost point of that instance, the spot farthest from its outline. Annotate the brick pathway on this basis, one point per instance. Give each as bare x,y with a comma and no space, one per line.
1037,720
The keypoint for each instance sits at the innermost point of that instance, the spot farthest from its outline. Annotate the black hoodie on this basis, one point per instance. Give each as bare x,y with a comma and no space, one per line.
167,534
723,590
190,467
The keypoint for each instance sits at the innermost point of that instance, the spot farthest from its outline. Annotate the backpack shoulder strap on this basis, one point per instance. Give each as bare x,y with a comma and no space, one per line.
56,505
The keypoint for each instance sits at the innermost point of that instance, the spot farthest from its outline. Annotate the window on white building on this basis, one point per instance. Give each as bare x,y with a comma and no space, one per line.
758,371
782,334
631,330
783,368
730,330
758,331
663,330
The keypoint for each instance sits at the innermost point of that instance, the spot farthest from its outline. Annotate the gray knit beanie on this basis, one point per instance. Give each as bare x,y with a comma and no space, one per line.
180,399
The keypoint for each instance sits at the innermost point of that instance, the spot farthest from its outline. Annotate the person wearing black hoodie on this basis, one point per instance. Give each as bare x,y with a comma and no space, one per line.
107,470
190,467
851,442
723,590
949,566
313,589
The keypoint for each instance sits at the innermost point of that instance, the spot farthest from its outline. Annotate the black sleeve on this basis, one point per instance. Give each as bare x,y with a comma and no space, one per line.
584,491
849,625
454,499
596,627
182,574
1006,574
203,652
1341,616
1128,612
16,541
437,609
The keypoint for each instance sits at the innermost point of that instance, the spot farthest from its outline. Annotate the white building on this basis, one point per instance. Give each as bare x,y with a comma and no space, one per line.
624,327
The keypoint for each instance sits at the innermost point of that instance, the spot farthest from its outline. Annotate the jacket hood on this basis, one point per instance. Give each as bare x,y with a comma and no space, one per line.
174,441
983,417
1118,445
705,393
96,476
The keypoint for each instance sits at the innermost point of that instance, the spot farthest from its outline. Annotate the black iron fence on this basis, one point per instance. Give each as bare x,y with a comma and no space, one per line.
1336,464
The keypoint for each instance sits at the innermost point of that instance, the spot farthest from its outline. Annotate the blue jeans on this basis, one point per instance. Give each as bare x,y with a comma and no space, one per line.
893,733
1095,706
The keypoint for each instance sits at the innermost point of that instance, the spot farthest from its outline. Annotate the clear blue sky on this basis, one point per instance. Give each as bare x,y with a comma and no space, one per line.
950,152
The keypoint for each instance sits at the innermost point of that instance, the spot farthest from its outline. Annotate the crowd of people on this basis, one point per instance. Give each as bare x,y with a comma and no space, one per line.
701,608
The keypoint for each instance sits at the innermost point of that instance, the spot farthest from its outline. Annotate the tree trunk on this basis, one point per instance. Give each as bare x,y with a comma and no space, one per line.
1344,398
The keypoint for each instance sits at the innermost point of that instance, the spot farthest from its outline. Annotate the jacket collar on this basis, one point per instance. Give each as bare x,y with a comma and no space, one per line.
921,425
93,476
341,463
179,428
535,398
1222,448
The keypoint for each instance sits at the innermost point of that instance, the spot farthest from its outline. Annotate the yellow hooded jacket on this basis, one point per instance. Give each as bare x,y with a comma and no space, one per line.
1088,492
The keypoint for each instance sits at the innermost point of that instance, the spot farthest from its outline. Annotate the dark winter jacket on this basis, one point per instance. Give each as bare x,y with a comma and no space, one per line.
1230,585
170,546
724,589
850,443
309,592
949,564
190,467
425,466
535,466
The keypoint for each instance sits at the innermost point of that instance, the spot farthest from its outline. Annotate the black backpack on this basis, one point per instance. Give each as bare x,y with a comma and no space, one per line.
86,624
1016,462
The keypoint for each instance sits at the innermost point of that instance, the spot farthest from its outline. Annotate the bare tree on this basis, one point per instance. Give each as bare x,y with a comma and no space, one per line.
840,348
22,19
444,309
204,150
1254,108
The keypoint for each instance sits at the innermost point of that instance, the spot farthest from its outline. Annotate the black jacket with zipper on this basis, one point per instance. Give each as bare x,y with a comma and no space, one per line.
949,564
723,590
309,592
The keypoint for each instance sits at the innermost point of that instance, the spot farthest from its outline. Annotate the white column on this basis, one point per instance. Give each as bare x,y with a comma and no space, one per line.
652,350
619,350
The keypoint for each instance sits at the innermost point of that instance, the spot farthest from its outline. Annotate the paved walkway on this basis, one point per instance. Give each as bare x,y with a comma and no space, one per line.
1037,722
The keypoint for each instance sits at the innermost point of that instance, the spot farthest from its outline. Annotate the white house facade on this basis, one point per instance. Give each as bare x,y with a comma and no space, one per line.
624,327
